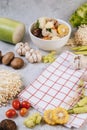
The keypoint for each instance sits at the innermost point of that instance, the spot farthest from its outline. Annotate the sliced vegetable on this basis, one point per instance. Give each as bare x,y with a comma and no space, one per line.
80,48
82,102
78,110
11,31
33,120
81,52
81,83
48,117
56,116
29,123
63,30
60,115
49,58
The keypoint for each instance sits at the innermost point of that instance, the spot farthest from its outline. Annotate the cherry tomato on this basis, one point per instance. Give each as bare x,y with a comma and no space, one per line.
11,113
25,104
16,104
23,111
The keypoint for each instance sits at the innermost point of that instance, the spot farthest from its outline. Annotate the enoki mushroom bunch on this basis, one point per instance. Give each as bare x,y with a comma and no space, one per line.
32,55
10,85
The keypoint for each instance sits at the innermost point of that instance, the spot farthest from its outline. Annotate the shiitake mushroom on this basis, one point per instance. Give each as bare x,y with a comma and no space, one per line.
0,56
37,32
6,59
10,59
8,124
17,63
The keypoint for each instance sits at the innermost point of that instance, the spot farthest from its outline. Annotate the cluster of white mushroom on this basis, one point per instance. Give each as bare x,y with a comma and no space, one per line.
32,55
48,27
10,85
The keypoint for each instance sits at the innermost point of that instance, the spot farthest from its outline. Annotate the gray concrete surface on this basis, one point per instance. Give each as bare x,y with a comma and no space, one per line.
27,11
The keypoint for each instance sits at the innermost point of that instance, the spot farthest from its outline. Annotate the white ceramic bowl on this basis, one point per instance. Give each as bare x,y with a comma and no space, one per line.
50,45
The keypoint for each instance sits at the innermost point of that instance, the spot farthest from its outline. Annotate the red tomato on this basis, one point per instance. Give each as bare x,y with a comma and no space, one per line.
25,104
23,111
11,113
16,104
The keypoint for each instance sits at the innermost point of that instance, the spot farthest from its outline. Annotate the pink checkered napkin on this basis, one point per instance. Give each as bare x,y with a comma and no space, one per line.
56,86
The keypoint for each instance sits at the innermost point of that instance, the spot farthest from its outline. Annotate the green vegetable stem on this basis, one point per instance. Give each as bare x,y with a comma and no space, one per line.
78,110
11,31
80,48
81,52
82,102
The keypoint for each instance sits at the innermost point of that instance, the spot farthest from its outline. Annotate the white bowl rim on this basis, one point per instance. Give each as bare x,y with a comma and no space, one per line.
60,21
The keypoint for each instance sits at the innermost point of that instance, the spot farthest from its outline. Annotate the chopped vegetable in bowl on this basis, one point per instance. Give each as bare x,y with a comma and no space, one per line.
49,34
49,29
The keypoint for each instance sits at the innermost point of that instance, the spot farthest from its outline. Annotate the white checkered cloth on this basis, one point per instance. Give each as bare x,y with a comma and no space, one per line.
56,86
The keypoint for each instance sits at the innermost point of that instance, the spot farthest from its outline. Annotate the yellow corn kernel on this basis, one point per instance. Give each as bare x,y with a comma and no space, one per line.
60,115
48,117
63,30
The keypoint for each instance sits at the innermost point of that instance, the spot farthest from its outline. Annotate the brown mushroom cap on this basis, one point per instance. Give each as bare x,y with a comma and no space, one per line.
7,124
6,59
0,56
17,63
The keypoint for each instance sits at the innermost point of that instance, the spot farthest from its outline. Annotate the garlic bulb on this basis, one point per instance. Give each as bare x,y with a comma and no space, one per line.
33,56
21,48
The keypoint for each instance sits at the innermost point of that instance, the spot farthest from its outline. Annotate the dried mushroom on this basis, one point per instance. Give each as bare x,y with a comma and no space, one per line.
6,59
7,124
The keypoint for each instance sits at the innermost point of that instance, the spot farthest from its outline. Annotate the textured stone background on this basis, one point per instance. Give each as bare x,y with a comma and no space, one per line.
27,11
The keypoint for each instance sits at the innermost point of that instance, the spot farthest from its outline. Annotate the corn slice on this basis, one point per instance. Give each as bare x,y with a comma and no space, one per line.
63,30
60,115
48,117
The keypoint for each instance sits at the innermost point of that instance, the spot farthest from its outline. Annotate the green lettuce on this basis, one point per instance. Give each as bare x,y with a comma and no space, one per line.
79,16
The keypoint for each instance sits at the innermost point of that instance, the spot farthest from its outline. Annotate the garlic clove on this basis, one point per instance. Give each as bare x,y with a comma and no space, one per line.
30,59
34,56
18,45
39,58
31,50
26,44
23,51
19,51
27,48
